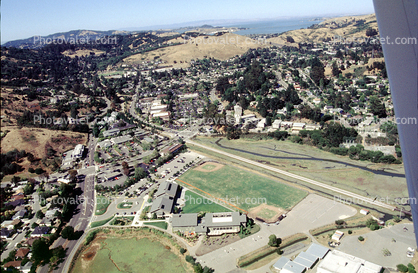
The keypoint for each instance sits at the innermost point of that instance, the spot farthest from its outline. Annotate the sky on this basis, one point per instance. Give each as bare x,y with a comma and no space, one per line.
26,18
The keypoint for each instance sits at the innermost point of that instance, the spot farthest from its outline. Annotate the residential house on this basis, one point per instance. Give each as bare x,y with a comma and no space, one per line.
15,264
20,214
26,268
6,233
22,252
40,231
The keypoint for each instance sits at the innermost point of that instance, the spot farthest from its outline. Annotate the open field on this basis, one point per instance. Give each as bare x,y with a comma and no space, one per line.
209,167
242,188
364,178
101,205
195,203
267,213
139,252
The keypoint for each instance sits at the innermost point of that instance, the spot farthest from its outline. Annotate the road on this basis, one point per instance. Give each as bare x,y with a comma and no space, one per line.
79,221
83,212
356,197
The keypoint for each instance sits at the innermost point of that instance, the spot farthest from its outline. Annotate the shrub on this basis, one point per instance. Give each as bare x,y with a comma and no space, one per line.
190,259
402,268
350,231
360,238
182,250
339,222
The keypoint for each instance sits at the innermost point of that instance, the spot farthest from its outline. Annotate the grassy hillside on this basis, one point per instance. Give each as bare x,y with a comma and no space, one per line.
348,26
219,47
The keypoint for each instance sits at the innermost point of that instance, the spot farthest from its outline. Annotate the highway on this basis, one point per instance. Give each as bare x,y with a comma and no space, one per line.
356,197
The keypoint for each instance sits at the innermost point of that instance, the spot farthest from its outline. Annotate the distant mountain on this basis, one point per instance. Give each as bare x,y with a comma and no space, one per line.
62,37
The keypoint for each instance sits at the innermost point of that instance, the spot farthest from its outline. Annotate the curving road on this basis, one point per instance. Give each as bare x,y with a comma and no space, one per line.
298,177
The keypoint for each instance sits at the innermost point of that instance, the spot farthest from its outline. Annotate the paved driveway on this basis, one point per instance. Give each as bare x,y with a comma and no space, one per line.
376,241
314,211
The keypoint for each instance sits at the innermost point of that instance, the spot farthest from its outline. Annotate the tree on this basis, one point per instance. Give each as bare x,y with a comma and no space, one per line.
40,251
190,259
335,70
289,39
39,214
140,173
72,174
402,268
377,107
371,32
67,232
274,241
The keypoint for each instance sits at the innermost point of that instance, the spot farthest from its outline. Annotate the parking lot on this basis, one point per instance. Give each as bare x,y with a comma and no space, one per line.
396,239
143,187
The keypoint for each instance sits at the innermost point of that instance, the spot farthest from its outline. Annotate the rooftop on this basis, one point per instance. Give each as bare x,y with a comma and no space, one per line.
184,220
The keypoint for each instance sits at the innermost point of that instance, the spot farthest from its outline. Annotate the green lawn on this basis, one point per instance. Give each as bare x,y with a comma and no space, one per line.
196,203
244,189
132,255
311,162
100,223
126,205
161,224
101,205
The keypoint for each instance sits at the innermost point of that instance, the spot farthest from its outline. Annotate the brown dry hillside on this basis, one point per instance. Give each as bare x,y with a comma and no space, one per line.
219,47
340,26
35,141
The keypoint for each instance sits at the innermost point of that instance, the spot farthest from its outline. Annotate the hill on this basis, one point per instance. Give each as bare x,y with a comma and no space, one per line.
220,47
39,41
347,27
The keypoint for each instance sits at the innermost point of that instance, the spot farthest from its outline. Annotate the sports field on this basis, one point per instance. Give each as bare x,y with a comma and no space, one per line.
116,255
242,188
361,177
196,203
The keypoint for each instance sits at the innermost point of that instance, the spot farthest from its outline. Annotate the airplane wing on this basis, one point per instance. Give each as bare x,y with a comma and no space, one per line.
398,27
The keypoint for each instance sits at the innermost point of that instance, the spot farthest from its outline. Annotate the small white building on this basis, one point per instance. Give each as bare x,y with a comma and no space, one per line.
276,124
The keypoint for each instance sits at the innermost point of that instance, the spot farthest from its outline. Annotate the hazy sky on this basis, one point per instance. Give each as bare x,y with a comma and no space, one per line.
26,18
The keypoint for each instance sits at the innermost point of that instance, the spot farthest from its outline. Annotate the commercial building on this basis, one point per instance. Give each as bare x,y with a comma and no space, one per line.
173,149
111,132
112,175
164,199
78,151
121,139
340,262
211,224
167,188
